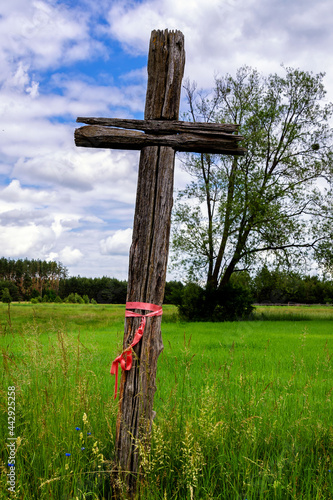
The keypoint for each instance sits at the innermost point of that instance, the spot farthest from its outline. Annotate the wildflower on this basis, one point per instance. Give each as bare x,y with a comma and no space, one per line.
18,441
81,436
67,454
77,428
88,433
66,466
82,448
85,419
11,465
95,448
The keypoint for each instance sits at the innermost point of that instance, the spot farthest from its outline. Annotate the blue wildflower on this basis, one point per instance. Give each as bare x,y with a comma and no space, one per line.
10,465
88,433
82,448
67,454
77,428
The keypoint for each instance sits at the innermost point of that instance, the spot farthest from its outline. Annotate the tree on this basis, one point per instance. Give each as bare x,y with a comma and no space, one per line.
275,203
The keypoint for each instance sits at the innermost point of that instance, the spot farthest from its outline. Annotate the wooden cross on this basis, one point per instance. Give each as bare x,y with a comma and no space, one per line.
158,136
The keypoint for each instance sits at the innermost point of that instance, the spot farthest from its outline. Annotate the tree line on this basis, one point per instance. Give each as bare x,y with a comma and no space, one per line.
42,280
49,282
30,278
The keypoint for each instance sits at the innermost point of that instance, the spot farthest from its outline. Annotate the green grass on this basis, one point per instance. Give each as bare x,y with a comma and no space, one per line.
244,409
295,313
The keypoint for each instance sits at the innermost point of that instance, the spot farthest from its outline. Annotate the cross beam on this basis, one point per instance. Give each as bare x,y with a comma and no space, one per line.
180,136
158,136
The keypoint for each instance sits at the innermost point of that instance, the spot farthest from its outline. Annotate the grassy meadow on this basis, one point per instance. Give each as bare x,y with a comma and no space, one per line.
244,409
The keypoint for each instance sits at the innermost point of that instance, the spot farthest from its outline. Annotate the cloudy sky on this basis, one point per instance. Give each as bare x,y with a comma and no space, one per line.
61,59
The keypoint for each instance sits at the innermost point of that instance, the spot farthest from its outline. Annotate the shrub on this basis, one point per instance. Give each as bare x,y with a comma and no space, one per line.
190,302
173,292
74,298
230,303
5,297
78,299
234,302
70,298
85,299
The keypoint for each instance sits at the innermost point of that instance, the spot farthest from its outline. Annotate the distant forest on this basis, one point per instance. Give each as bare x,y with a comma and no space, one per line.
43,281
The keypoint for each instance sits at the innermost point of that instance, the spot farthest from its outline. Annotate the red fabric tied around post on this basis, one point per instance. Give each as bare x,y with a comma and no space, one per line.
126,357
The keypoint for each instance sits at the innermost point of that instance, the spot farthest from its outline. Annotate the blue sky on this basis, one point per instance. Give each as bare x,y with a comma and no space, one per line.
61,59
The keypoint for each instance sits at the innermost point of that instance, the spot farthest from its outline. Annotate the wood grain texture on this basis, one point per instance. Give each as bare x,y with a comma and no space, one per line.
106,137
162,126
149,251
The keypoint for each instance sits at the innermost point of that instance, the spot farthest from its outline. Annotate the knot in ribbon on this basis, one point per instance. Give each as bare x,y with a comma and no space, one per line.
126,357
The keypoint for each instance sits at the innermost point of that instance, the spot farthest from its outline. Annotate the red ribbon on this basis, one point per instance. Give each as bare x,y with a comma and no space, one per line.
126,358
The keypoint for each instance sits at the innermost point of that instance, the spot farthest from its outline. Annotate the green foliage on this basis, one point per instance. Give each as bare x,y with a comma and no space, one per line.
31,276
233,303
70,299
103,290
5,297
173,291
11,287
35,294
191,303
78,299
74,298
49,294
229,303
276,286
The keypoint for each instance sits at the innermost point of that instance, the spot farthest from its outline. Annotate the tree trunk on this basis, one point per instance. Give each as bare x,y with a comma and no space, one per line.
149,254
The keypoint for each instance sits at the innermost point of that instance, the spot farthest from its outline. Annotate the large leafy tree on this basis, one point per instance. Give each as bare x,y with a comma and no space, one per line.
273,204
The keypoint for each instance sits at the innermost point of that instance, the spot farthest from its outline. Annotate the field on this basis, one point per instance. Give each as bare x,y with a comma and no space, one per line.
244,409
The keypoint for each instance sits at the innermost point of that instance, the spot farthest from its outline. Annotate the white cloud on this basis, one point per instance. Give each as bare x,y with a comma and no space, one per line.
45,35
15,194
221,35
25,240
69,256
118,243
83,176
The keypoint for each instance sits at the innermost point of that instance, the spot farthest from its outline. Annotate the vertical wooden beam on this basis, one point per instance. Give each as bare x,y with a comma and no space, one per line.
149,251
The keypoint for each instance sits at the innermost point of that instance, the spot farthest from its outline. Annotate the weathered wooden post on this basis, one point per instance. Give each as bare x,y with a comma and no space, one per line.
163,135
149,249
